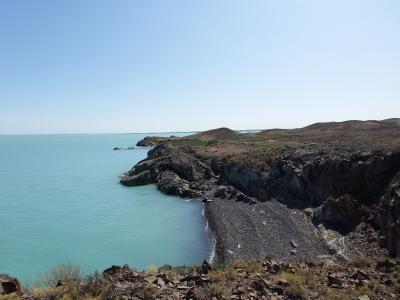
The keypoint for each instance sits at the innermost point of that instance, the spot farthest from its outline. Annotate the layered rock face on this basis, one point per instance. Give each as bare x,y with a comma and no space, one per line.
339,179
174,171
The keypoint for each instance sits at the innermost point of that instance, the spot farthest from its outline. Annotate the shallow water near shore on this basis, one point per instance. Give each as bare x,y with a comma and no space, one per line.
61,202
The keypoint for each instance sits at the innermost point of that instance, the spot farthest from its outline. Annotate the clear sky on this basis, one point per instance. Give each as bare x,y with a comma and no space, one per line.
82,66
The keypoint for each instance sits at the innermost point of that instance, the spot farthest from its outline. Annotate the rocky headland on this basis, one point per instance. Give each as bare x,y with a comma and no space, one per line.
328,189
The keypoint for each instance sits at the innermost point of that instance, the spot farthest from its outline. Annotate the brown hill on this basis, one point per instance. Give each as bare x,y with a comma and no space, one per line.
216,134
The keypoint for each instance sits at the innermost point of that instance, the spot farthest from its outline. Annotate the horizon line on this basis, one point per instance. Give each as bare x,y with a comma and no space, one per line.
122,133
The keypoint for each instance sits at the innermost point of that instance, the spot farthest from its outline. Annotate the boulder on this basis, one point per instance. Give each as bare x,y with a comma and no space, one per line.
221,192
9,285
334,280
341,213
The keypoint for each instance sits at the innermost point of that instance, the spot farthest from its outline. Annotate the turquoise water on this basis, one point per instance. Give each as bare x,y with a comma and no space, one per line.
61,202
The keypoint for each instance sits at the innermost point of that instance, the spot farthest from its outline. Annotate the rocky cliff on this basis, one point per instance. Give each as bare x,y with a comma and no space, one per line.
264,192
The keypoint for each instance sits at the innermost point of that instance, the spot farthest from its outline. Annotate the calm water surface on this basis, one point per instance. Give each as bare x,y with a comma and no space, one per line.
61,202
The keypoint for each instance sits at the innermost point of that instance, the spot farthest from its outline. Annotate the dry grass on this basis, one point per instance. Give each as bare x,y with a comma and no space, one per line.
65,273
217,290
251,266
221,275
9,297
362,262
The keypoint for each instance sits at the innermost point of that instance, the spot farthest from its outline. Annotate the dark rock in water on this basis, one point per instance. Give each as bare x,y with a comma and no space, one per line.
121,148
9,285
138,179
341,213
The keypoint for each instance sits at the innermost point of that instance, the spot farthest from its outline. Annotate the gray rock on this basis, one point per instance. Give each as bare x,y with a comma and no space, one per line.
388,217
341,213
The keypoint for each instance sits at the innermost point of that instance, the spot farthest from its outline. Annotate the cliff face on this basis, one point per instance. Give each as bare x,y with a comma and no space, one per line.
315,176
388,217
340,179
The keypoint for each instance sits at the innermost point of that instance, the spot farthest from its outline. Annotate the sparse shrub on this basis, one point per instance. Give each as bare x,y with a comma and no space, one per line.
151,270
251,266
171,275
216,290
227,274
65,273
183,270
211,142
95,284
297,284
362,262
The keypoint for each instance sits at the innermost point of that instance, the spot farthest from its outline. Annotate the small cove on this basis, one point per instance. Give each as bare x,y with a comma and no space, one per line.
61,202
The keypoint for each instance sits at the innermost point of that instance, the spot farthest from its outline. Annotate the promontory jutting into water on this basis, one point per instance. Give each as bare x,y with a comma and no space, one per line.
61,202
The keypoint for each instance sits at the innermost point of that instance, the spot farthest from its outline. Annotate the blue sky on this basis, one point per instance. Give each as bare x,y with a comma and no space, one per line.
138,66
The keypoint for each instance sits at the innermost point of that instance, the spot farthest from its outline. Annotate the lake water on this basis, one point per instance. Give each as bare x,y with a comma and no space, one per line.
61,202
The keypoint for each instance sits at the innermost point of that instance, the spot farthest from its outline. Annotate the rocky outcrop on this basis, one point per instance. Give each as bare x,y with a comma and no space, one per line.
9,285
170,183
321,278
172,171
335,173
150,141
388,216
342,213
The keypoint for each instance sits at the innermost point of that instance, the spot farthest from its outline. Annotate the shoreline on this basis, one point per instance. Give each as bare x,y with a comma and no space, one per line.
300,198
